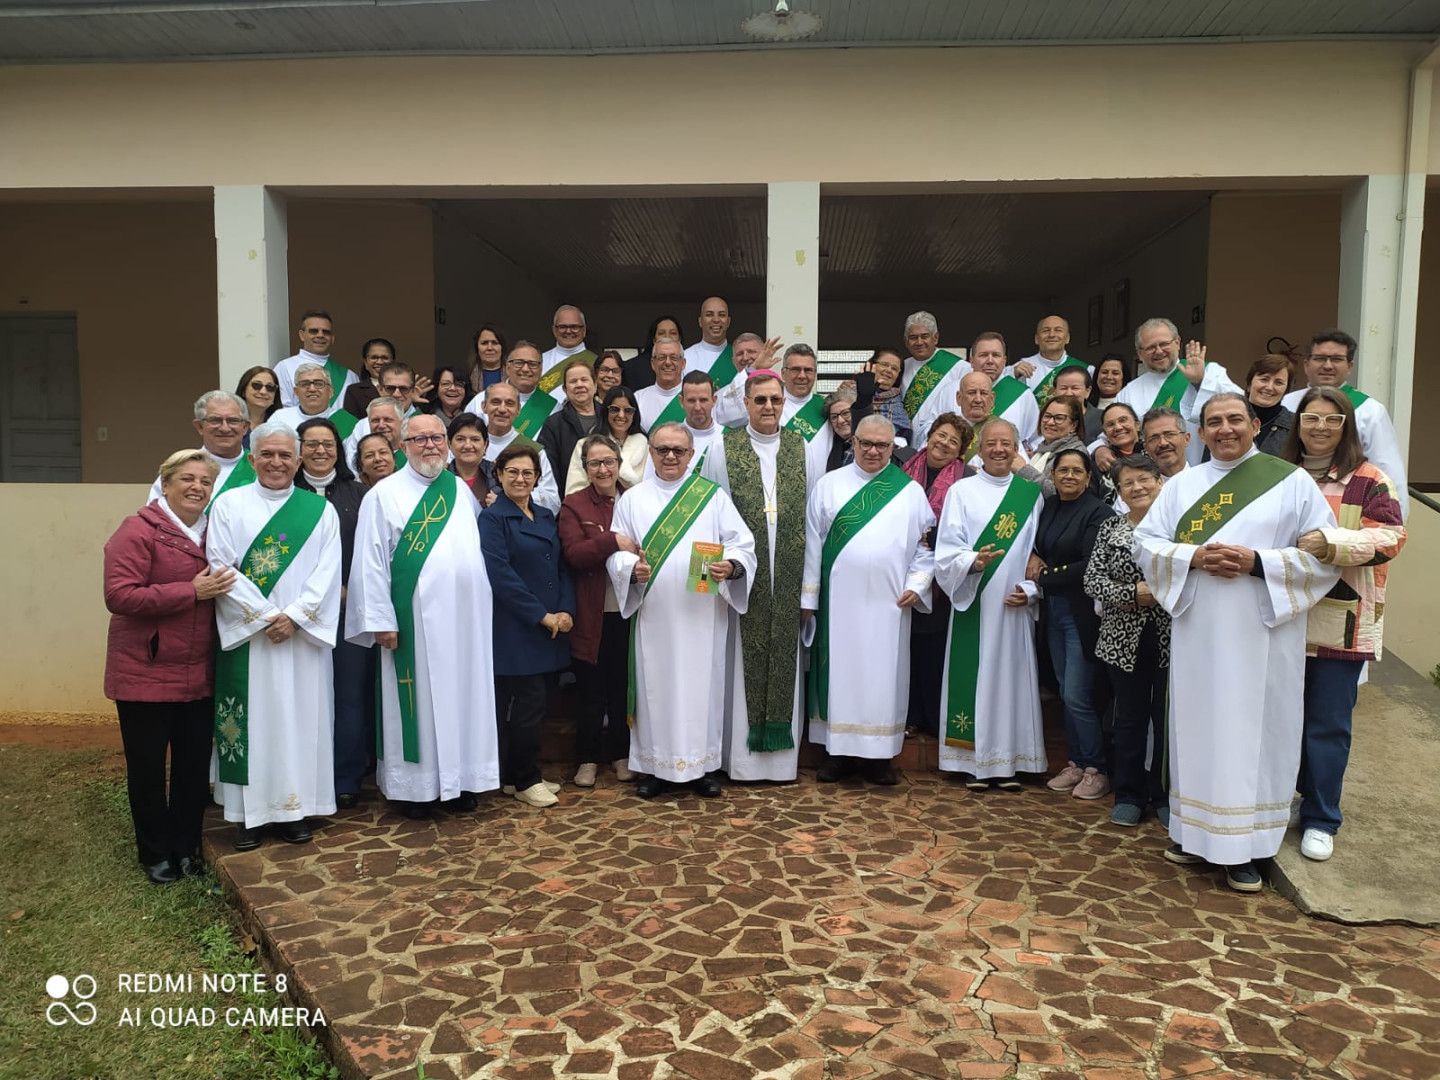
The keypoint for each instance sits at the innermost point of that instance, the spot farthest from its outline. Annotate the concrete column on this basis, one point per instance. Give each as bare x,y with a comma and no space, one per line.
252,279
1370,273
792,271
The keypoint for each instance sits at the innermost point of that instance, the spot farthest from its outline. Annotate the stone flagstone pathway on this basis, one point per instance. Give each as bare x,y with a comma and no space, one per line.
807,932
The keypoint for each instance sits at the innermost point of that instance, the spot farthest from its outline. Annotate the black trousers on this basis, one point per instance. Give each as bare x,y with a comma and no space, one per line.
1141,703
354,682
927,669
520,715
603,687
167,828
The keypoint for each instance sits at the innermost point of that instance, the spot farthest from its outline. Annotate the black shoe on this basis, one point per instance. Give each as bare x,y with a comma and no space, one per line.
647,787
911,731
974,783
1243,878
246,839
347,800
466,802
882,773
415,811
1180,857
832,770
1009,783
707,787
191,865
296,832
163,872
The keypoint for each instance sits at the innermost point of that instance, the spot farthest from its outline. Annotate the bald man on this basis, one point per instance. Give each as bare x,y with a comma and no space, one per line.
714,325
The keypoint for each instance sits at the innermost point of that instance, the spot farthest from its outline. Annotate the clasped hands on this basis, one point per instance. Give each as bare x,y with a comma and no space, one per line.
557,622
1224,560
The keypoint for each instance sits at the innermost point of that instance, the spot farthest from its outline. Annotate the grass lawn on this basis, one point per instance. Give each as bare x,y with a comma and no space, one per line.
73,900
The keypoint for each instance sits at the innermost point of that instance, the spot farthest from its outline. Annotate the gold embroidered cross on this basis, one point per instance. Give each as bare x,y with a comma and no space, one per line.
409,683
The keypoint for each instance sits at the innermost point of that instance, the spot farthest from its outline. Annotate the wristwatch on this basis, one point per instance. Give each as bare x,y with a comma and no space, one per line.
737,570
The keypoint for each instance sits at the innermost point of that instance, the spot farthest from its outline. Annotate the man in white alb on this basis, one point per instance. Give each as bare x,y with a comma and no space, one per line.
1219,549
274,698
866,566
696,561
221,419
668,361
317,338
714,324
419,590
697,407
500,405
568,326
1010,397
1052,335
312,394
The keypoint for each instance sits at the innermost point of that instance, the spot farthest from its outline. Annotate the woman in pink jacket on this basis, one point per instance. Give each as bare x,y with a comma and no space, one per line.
160,661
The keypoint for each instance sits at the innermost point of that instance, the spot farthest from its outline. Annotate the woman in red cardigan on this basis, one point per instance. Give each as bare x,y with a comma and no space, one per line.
599,642
160,661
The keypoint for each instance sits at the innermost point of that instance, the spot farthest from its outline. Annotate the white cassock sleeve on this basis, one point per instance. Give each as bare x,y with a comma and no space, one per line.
368,610
817,525
953,554
316,609
244,611
920,574
546,493
1295,581
1163,560
739,544
730,408
621,564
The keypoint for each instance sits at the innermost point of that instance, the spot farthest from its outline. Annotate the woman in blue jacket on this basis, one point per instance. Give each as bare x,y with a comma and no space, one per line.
534,608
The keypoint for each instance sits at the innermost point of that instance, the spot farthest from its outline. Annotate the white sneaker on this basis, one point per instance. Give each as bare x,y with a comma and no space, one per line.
537,795
1317,844
585,775
623,772
550,785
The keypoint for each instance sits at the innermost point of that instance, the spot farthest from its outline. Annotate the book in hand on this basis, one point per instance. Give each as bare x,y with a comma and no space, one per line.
701,556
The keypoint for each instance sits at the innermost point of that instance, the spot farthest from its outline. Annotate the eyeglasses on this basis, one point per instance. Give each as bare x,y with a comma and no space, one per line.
866,444
395,391
569,328
1054,417
1330,420
426,440
318,444
519,474
671,451
620,410
840,414
602,463
513,362
263,387
1165,436
1160,346
312,384
224,421
1320,358
761,399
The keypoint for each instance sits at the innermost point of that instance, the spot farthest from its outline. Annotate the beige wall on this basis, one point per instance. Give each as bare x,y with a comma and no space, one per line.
839,115
140,279
54,655
1274,268
371,265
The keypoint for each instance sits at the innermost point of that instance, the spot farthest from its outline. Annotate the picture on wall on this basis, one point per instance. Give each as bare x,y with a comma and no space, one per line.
1122,309
1095,321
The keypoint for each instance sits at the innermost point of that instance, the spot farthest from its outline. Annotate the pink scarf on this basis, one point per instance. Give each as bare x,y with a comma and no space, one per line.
915,469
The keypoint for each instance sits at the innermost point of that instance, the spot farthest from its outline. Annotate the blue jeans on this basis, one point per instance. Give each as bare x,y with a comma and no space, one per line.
1330,687
1075,673
354,715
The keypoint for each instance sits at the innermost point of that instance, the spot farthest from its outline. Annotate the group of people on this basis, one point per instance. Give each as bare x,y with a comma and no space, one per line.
373,565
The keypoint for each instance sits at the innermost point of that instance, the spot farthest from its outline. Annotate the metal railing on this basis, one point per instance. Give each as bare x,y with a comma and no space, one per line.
1423,498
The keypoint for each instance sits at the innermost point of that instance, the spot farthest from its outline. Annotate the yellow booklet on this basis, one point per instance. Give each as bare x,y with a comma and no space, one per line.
701,556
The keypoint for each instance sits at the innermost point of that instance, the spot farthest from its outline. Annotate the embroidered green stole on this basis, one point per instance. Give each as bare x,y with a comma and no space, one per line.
1171,390
534,414
1042,388
344,423
664,537
264,563
963,662
338,373
770,628
1234,491
858,511
810,418
927,377
721,372
427,521
1008,390
243,473
554,379
1357,397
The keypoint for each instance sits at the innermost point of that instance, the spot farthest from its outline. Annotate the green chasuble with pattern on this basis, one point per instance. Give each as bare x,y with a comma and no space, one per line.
770,629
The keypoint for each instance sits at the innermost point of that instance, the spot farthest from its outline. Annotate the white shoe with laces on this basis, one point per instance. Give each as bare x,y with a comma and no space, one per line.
1317,844
585,775
550,785
537,795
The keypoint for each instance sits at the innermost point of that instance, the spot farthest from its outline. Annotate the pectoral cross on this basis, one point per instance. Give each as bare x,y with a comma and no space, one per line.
409,683
771,510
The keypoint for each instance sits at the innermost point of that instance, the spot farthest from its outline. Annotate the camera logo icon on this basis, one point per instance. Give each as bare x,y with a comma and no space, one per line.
59,988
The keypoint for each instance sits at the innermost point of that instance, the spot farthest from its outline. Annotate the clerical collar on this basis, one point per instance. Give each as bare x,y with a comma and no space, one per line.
1226,466
793,400
758,437
272,495
998,481
672,391
565,351
668,485
700,430
314,357
227,462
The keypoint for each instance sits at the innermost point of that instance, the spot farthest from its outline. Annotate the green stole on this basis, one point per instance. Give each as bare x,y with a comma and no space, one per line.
243,473
554,379
927,377
427,522
533,416
400,459
771,626
265,562
963,662
664,536
1234,491
1357,397
674,412
1042,388
858,511
1008,390
810,418
344,423
1171,390
338,372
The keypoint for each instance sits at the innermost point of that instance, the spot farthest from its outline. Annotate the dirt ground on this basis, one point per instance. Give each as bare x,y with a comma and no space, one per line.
63,731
